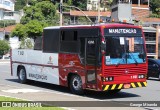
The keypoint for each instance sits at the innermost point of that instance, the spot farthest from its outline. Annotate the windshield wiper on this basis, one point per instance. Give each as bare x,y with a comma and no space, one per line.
131,53
123,58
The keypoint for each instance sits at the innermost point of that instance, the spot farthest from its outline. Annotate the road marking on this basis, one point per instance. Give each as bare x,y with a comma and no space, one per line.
16,91
2,63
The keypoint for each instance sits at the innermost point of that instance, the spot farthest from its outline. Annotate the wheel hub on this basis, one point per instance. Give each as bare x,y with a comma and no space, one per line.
76,83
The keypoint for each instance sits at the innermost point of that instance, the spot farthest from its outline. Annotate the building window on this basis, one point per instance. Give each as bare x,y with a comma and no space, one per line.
150,36
7,3
1,1
151,48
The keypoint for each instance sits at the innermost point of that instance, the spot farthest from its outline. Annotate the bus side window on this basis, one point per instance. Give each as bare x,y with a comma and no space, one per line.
69,42
82,50
91,51
51,41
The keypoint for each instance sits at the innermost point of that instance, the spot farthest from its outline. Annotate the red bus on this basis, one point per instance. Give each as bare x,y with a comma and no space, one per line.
104,57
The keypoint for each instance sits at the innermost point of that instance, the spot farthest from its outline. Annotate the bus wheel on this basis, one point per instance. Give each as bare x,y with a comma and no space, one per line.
76,84
114,91
22,75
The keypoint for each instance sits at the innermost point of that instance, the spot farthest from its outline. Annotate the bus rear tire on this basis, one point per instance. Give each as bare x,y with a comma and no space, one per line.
76,85
22,75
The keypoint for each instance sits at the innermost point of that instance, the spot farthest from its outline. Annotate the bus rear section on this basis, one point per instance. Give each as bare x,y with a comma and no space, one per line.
124,63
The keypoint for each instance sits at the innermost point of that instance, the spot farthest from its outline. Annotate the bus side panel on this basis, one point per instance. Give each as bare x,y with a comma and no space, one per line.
14,69
70,64
44,70
39,66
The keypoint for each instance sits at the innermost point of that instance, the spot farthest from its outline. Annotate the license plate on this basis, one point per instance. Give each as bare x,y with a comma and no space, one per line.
126,86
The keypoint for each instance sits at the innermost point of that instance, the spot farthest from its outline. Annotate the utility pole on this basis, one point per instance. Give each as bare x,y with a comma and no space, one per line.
61,18
99,11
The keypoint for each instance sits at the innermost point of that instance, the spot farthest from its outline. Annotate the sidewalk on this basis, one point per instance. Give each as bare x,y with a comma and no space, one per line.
48,97
4,61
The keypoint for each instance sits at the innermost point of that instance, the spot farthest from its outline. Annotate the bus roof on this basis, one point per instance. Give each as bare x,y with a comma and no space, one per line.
95,25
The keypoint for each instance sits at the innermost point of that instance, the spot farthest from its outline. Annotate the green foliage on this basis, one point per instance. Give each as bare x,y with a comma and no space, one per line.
19,4
69,2
32,13
35,28
6,23
40,14
26,43
4,47
32,29
41,11
19,31
155,7
82,4
155,15
83,20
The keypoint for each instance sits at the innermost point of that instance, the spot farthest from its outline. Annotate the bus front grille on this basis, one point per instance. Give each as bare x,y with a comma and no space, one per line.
122,70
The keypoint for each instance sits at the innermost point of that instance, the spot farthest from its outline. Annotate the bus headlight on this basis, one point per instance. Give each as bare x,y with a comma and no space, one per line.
110,78
141,76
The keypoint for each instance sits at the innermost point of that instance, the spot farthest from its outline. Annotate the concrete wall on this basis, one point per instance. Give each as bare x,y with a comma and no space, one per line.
125,12
122,11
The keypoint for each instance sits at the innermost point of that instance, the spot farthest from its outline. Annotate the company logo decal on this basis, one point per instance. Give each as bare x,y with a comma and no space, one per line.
50,60
126,71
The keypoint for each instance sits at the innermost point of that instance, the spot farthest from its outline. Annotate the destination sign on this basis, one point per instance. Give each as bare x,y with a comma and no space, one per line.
120,31
123,31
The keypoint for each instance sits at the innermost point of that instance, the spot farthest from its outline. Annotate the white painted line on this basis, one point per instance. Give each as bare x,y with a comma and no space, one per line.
62,93
4,62
21,90
14,97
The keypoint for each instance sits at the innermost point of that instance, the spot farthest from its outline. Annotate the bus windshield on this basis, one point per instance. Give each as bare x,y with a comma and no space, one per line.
124,49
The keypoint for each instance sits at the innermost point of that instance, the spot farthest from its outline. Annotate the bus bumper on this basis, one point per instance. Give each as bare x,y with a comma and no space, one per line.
124,86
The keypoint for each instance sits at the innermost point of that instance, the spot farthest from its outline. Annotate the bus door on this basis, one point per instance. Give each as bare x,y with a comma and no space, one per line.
91,52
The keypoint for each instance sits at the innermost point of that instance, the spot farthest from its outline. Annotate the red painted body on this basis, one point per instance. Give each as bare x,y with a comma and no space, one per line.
65,67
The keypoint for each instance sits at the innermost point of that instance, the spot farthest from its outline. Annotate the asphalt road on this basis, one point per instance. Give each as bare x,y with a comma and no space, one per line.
38,91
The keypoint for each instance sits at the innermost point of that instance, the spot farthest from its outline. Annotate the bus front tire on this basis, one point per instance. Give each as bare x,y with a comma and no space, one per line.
22,75
76,85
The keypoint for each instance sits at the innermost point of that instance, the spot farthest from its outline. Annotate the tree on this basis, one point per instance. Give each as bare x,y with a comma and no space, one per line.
41,11
32,29
82,4
19,31
4,47
155,7
82,20
40,14
69,2
35,28
19,4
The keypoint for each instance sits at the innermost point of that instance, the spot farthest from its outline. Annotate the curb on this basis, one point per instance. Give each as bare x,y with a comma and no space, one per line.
4,62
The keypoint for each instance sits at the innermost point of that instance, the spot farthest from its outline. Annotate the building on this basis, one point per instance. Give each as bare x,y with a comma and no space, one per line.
6,6
4,32
14,42
151,41
74,17
136,10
